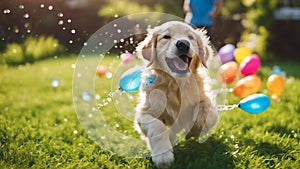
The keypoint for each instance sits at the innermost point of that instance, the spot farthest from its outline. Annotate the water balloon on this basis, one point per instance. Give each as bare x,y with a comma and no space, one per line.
86,96
255,103
228,72
127,57
240,53
131,80
55,82
277,70
247,86
226,53
275,85
102,70
250,65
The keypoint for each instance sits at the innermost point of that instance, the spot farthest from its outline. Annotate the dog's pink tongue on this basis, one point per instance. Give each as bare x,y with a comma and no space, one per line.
180,65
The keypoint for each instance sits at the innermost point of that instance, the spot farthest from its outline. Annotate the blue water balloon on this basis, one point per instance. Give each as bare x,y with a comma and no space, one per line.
55,82
131,80
255,103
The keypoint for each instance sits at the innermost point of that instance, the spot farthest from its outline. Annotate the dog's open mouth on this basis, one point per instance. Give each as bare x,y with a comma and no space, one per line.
180,64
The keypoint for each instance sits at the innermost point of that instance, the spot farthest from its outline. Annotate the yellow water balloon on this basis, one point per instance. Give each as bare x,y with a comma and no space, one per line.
240,54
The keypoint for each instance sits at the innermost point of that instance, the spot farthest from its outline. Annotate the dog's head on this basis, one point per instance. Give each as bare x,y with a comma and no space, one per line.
175,48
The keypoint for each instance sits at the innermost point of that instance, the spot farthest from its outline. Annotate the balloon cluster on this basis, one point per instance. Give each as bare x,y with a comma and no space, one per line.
234,60
241,61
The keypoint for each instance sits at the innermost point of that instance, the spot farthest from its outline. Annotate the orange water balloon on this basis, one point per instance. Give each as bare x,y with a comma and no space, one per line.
247,86
102,70
275,85
228,72
240,54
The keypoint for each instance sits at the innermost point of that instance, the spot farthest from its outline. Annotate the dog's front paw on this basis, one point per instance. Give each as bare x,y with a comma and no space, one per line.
163,160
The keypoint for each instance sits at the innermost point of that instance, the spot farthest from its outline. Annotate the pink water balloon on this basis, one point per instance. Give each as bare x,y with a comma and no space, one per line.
127,57
250,65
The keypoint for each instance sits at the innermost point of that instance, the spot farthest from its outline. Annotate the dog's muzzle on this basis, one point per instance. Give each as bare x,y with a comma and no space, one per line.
179,65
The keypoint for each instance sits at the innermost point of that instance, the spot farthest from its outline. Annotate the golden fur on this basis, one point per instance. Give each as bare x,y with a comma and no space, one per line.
177,99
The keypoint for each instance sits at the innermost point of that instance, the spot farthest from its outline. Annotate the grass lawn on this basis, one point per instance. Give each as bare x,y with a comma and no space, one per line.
39,127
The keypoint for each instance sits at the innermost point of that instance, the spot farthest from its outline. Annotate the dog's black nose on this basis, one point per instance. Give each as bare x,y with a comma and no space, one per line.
183,45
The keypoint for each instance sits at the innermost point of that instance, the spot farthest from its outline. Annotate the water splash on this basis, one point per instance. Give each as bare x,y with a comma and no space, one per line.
227,107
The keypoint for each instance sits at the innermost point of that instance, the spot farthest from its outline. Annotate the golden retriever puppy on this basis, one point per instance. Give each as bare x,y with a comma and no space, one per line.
173,96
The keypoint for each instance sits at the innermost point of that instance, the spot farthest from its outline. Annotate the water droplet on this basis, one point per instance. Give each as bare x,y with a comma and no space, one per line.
86,96
115,25
55,82
50,7
73,66
73,31
236,146
70,41
26,16
69,20
64,28
21,6
122,40
117,125
65,119
116,15
103,137
97,97
100,44
108,75
119,31
60,22
60,15
109,99
6,11
129,96
75,132
78,74
90,115
84,44
27,25
28,31
115,41
17,30
42,6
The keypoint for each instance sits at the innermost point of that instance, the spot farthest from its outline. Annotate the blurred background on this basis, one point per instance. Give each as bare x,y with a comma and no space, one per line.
42,28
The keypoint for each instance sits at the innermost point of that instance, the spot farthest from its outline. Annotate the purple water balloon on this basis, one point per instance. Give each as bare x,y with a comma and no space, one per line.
226,53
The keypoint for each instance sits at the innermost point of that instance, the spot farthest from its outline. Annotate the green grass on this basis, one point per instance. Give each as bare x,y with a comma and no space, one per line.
39,127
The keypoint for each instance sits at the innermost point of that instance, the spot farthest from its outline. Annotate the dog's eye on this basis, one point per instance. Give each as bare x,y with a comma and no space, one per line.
166,37
191,37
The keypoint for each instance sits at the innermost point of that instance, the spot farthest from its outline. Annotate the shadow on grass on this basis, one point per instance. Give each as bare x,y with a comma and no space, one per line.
270,152
282,131
211,154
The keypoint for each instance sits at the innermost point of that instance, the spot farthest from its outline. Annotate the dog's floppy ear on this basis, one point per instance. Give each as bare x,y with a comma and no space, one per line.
204,48
147,48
